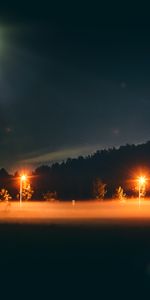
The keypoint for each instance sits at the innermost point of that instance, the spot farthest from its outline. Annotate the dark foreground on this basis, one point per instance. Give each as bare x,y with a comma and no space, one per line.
75,262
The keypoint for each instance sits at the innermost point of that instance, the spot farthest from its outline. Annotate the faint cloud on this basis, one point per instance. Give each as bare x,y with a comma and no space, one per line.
8,130
60,155
116,131
123,84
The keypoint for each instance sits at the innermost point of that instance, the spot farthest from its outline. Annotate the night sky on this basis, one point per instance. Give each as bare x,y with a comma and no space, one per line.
73,79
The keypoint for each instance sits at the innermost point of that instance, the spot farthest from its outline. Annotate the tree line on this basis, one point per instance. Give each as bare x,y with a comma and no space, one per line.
78,178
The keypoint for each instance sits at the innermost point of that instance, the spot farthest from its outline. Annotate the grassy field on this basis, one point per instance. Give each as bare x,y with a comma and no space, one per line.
50,256
75,212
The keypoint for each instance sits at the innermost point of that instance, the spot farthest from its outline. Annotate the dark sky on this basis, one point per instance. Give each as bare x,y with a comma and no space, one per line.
73,79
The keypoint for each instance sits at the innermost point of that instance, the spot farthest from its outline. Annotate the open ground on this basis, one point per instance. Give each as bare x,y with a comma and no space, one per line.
93,212
95,250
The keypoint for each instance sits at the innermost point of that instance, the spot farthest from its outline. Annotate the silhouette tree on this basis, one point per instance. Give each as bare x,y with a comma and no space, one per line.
99,189
4,195
50,196
120,195
73,178
27,191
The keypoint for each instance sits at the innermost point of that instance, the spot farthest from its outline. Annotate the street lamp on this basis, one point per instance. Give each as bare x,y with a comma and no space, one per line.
141,184
22,179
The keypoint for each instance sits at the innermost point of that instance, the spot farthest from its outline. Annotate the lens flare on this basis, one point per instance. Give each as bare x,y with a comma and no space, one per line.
142,180
23,178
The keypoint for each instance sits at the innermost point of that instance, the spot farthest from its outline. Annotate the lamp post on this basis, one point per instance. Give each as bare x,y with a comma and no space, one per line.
22,178
141,183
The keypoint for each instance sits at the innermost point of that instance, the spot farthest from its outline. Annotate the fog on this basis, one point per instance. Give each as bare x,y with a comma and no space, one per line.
75,212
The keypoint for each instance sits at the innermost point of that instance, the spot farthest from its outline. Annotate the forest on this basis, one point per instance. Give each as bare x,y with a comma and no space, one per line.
75,177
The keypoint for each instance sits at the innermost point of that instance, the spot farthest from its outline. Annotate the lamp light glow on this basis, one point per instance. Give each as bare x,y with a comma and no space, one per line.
23,178
142,180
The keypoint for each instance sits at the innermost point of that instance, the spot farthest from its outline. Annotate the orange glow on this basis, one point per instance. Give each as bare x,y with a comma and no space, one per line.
23,178
142,180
